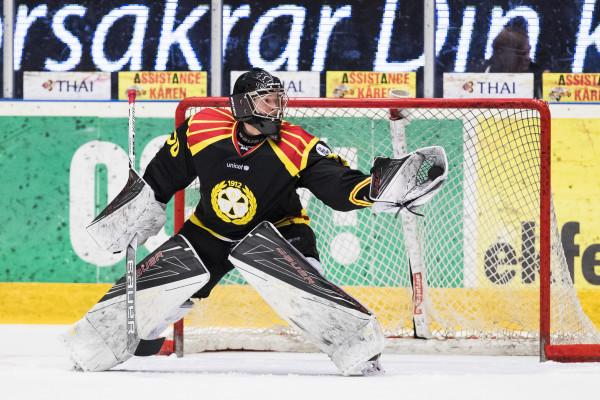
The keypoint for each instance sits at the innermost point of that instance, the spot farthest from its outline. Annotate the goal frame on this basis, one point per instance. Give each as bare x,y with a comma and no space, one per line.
548,351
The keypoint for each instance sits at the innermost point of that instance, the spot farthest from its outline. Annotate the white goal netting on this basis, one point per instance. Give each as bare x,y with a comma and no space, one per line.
478,241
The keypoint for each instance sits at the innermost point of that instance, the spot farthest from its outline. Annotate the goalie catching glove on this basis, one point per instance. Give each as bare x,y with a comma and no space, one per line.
408,182
133,212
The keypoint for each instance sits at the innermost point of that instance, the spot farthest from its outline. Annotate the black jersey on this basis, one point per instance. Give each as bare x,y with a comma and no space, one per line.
238,190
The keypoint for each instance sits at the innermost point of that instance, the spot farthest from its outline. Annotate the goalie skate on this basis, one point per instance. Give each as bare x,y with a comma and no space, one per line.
372,367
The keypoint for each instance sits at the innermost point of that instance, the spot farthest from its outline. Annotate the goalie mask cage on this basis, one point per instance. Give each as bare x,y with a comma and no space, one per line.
494,276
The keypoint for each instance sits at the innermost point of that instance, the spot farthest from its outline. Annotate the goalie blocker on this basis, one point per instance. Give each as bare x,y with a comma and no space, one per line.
134,212
334,321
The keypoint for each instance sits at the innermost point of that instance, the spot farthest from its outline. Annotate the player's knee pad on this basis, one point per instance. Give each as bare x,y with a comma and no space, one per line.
165,281
333,320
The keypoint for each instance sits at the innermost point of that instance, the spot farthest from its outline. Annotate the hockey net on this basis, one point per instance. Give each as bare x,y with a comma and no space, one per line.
494,279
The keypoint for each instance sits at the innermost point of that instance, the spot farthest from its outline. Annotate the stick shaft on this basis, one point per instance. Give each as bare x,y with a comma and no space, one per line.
130,297
130,271
131,94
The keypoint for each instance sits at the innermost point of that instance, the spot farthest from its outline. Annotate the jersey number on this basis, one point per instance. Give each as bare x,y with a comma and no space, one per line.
173,141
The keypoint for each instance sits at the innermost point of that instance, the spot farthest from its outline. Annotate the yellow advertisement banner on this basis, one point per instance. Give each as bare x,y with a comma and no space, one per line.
506,249
576,88
164,85
576,188
368,84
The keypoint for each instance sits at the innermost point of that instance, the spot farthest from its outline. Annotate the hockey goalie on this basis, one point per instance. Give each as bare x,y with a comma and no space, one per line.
249,162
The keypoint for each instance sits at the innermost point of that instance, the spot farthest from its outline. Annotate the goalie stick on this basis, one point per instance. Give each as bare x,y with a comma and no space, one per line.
131,217
131,253
418,277
135,345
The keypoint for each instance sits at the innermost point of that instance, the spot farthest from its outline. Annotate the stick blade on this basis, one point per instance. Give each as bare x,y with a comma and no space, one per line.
149,347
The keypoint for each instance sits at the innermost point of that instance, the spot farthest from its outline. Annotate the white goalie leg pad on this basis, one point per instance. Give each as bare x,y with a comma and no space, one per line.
166,280
134,212
351,355
173,317
360,353
87,349
337,323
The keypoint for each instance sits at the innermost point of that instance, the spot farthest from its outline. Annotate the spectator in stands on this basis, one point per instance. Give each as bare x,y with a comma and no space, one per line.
511,54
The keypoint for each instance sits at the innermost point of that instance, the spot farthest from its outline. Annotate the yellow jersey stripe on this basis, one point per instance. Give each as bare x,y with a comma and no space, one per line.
203,144
284,159
293,221
354,192
196,221
229,116
292,146
303,219
296,136
207,130
338,159
207,121
309,147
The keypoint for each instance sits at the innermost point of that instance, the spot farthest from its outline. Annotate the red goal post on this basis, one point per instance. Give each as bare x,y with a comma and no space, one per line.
530,120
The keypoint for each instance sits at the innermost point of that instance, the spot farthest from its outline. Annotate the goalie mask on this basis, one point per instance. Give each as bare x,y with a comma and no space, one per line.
259,99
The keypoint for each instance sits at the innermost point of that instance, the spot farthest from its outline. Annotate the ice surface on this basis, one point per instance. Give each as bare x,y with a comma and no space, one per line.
34,365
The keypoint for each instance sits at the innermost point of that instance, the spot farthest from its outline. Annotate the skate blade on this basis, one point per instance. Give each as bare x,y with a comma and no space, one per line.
372,367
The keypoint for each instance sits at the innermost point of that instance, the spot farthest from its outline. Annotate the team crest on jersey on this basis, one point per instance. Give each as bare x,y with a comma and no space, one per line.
233,202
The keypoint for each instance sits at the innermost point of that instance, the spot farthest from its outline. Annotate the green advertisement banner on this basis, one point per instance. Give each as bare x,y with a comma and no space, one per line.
59,172
56,172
